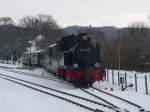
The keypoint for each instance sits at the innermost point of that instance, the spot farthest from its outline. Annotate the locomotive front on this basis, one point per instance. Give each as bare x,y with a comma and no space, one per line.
82,61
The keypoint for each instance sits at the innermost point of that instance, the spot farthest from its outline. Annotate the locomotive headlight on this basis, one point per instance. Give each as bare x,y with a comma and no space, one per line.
97,65
84,37
75,65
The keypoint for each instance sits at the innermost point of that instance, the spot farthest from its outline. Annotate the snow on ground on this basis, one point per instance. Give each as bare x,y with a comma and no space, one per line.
136,97
131,79
9,65
140,99
48,83
15,98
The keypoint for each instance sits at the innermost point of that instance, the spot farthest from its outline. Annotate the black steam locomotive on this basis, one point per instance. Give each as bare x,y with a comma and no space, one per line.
74,58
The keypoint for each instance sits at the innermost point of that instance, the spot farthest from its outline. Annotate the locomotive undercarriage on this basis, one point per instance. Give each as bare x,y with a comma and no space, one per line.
81,78
83,82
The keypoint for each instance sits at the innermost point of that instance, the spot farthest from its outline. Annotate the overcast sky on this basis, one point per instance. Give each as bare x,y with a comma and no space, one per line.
80,12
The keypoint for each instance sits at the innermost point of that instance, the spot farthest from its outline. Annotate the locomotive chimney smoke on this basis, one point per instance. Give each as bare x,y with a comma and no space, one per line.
38,40
33,47
35,42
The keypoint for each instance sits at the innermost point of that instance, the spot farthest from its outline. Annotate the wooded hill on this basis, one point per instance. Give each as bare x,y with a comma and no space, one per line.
130,45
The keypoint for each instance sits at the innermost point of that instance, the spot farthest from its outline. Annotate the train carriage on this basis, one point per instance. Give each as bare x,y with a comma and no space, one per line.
75,59
34,58
48,58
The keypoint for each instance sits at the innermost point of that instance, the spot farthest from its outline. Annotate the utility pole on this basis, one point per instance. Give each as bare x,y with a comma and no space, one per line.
30,45
12,58
6,54
118,49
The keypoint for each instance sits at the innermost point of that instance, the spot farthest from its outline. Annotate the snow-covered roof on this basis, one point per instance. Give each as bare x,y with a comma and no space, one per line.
52,45
38,51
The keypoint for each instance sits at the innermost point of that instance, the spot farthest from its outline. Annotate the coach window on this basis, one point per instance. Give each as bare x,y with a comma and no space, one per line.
55,51
34,56
50,52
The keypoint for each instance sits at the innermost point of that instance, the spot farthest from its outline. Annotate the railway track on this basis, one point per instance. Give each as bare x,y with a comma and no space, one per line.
52,78
74,99
33,74
26,73
138,107
100,98
112,105
36,75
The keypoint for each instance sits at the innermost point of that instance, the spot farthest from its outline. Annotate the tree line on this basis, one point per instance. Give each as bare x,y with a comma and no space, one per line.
14,37
130,49
121,48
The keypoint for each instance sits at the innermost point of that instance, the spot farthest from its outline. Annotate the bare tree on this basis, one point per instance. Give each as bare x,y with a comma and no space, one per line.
47,22
29,22
6,21
45,25
40,22
133,45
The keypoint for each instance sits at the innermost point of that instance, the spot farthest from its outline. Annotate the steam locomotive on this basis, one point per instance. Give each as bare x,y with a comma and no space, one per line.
74,58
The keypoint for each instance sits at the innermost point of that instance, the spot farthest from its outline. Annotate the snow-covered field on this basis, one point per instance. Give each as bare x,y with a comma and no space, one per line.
131,80
16,98
9,65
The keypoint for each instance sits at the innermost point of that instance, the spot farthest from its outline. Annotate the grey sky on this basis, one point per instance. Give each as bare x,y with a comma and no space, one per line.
80,12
